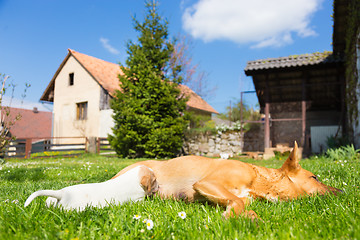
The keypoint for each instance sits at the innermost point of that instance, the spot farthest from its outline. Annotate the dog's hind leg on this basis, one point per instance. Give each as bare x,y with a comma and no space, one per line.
50,201
218,194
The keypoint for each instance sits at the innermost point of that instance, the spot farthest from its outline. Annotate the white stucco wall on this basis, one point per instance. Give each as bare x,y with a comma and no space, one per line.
106,122
85,89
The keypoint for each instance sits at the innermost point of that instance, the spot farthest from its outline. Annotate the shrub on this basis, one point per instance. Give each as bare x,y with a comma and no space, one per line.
336,141
343,153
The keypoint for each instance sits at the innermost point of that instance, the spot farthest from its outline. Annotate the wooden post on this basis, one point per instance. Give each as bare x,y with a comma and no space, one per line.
267,126
267,115
303,112
98,145
92,145
303,119
28,146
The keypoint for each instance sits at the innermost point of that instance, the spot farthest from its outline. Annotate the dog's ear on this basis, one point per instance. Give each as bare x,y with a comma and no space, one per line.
148,180
145,181
292,163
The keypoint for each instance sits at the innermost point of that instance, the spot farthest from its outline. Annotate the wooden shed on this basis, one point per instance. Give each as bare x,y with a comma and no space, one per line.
298,95
303,96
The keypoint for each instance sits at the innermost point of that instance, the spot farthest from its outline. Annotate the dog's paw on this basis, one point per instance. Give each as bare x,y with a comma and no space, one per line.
248,214
252,215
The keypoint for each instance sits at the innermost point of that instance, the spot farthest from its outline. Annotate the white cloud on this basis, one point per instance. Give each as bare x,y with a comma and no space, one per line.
262,23
107,46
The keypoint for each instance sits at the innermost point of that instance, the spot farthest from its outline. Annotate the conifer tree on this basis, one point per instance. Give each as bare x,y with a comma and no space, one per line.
149,108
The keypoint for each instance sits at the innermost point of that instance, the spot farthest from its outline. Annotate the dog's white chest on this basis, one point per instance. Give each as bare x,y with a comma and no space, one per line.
242,193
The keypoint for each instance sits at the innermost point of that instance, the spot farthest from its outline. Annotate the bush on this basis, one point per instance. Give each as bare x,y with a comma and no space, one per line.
336,141
237,126
343,153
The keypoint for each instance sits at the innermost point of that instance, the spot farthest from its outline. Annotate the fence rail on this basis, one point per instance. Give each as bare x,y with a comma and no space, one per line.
56,146
46,147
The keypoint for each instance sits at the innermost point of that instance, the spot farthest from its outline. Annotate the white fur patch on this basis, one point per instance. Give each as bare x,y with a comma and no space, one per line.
119,190
272,199
245,192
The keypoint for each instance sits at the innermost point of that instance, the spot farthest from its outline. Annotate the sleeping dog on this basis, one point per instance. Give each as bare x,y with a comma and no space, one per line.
230,183
134,185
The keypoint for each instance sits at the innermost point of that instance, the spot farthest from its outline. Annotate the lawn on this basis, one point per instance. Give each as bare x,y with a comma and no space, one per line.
331,217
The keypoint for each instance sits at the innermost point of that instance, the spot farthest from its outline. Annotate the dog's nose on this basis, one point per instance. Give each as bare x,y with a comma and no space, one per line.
340,191
336,191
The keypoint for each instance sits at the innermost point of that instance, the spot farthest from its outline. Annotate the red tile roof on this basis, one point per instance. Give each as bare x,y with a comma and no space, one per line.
106,74
195,101
33,124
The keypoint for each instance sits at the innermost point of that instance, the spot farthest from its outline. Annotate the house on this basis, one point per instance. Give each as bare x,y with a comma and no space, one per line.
81,90
303,96
32,124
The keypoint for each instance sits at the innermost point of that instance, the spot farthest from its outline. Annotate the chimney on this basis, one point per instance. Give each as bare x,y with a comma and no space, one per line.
35,110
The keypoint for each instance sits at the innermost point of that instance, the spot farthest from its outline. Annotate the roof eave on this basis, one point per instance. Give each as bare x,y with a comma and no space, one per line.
51,85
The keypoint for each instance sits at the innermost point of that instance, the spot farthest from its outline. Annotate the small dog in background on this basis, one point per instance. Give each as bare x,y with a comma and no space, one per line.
134,185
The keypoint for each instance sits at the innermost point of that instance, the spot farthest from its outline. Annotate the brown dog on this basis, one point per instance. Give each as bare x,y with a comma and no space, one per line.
232,183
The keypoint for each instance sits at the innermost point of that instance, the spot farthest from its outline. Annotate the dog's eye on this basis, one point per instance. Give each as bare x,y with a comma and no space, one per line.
315,177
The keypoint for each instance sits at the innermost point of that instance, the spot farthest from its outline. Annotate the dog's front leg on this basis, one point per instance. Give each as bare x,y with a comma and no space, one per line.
218,194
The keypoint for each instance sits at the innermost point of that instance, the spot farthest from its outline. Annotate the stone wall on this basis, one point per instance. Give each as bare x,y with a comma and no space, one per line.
233,143
212,145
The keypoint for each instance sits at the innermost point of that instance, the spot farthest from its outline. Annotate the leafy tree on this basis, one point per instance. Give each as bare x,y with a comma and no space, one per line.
6,119
248,114
149,110
191,73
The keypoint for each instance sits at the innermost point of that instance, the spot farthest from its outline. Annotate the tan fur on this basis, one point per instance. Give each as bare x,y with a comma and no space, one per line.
148,181
231,183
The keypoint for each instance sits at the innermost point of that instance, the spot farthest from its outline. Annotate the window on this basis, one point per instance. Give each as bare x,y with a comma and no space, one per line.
71,79
81,111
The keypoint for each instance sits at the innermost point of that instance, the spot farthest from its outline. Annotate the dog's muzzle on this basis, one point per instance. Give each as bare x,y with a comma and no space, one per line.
335,191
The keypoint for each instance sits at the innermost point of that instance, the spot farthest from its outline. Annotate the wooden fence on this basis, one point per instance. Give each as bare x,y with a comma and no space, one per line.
46,147
103,147
55,146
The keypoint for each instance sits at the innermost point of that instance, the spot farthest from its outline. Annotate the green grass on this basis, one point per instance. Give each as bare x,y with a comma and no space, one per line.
331,217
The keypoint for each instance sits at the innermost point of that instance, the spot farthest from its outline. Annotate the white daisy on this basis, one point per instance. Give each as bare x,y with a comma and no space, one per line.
149,224
182,215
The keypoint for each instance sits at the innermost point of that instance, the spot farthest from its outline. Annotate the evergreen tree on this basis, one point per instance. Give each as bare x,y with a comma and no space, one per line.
148,111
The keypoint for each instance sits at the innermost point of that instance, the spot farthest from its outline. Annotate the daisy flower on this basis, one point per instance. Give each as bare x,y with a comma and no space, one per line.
137,217
182,215
149,224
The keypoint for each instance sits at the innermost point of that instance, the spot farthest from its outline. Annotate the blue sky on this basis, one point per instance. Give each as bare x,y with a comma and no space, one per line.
35,36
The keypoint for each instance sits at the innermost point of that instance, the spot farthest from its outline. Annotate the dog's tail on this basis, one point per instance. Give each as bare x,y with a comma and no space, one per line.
50,193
